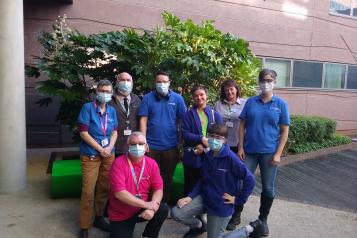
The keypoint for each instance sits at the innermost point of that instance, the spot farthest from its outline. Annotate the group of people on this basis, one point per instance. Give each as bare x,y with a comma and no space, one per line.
129,152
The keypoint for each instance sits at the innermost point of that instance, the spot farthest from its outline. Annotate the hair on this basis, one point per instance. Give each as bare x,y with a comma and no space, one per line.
118,75
135,134
198,87
229,83
218,129
104,82
265,72
161,72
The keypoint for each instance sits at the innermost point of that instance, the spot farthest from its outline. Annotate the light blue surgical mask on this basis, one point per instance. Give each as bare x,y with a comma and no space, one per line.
124,87
104,97
137,150
162,88
215,144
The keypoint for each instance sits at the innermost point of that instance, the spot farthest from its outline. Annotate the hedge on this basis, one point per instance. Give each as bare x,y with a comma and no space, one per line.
309,133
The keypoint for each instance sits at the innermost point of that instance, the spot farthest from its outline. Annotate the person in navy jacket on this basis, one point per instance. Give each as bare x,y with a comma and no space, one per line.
218,189
194,133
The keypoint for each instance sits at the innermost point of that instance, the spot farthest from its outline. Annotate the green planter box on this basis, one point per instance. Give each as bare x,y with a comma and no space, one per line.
178,180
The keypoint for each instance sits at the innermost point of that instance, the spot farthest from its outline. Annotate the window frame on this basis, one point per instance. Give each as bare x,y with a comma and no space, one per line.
342,15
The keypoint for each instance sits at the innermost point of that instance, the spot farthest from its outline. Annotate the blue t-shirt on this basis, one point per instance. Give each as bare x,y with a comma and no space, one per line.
162,112
262,124
90,116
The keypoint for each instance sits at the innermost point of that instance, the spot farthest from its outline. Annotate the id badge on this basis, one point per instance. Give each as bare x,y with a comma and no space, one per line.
229,124
105,142
127,132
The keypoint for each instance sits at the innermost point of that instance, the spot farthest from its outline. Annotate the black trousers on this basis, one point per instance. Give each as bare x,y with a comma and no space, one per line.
192,175
125,229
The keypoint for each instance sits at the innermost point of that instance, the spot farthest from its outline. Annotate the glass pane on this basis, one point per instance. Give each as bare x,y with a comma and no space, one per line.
352,77
307,74
341,7
334,76
282,68
354,8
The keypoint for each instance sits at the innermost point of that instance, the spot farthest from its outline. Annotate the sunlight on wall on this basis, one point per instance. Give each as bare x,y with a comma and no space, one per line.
293,10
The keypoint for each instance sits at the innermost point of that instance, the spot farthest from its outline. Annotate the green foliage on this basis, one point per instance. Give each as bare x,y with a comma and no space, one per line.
309,133
305,147
191,53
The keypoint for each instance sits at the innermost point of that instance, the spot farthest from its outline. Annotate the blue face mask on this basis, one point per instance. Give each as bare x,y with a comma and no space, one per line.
137,150
162,88
215,144
104,97
124,87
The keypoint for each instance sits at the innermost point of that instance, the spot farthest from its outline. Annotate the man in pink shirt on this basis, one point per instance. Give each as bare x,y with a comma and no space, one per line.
133,177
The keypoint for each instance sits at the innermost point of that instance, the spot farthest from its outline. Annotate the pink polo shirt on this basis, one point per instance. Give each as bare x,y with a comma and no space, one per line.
120,178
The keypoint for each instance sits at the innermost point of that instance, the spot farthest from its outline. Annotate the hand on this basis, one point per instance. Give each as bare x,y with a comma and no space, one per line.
103,152
276,160
183,202
147,214
205,141
241,154
228,199
108,150
199,149
152,205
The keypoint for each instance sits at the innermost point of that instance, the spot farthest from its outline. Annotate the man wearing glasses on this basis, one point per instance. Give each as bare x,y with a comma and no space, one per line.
160,112
133,177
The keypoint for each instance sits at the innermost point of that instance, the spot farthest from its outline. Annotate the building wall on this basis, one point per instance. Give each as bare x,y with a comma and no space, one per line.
296,29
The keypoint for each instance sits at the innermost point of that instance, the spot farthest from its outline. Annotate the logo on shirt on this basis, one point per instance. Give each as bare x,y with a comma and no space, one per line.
223,170
275,109
172,103
110,120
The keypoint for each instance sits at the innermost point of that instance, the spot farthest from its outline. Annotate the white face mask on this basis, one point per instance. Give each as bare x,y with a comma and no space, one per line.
266,87
124,87
162,88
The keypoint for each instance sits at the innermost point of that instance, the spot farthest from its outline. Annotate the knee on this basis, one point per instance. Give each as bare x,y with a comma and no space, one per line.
177,214
163,210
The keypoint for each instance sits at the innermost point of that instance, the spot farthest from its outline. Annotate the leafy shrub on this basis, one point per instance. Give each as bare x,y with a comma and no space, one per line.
309,133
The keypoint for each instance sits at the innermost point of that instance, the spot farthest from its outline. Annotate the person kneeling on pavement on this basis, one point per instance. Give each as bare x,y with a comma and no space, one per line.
216,192
132,178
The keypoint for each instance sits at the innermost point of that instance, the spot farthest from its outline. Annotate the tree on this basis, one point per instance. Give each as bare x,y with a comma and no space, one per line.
191,53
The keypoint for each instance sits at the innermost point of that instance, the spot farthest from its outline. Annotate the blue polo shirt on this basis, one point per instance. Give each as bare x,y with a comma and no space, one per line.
91,117
162,112
262,124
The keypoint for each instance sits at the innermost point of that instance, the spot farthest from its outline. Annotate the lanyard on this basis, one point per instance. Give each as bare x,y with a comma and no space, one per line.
134,176
105,126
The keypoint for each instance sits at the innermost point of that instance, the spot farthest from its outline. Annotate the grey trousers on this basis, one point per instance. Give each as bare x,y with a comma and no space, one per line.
187,215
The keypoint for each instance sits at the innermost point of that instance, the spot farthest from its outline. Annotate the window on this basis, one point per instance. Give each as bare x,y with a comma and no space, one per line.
344,7
282,68
352,77
334,76
307,74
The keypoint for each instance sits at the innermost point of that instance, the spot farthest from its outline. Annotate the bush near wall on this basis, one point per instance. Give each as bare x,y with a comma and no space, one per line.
309,133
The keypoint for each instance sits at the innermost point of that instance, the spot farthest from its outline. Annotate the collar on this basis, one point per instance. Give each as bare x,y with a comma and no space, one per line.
97,108
238,101
159,96
224,152
121,97
259,98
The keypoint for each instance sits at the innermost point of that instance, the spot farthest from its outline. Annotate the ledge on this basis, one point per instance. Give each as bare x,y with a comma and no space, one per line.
300,157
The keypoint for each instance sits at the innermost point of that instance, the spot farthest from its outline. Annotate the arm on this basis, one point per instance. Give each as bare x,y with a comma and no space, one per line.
157,196
188,135
241,139
90,141
127,198
113,139
143,124
284,132
248,182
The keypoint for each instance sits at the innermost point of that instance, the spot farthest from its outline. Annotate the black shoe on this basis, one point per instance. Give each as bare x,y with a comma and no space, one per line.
193,233
101,223
233,222
258,227
265,228
83,233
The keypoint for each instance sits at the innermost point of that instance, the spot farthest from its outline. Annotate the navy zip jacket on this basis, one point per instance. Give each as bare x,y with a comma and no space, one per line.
192,134
219,175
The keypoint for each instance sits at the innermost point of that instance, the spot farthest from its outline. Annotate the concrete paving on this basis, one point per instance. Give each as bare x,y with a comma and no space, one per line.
33,214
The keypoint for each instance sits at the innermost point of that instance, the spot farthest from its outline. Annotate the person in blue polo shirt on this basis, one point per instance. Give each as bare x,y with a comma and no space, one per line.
97,123
263,133
161,111
218,190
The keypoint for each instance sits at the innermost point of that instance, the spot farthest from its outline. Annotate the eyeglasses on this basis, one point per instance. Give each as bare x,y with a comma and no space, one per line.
104,91
267,80
131,144
216,136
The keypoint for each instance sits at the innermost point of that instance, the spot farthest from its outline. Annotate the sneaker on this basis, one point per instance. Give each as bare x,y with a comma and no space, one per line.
193,233
101,223
258,227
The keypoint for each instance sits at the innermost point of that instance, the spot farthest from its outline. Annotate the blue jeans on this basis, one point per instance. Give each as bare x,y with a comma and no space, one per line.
267,171
187,215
